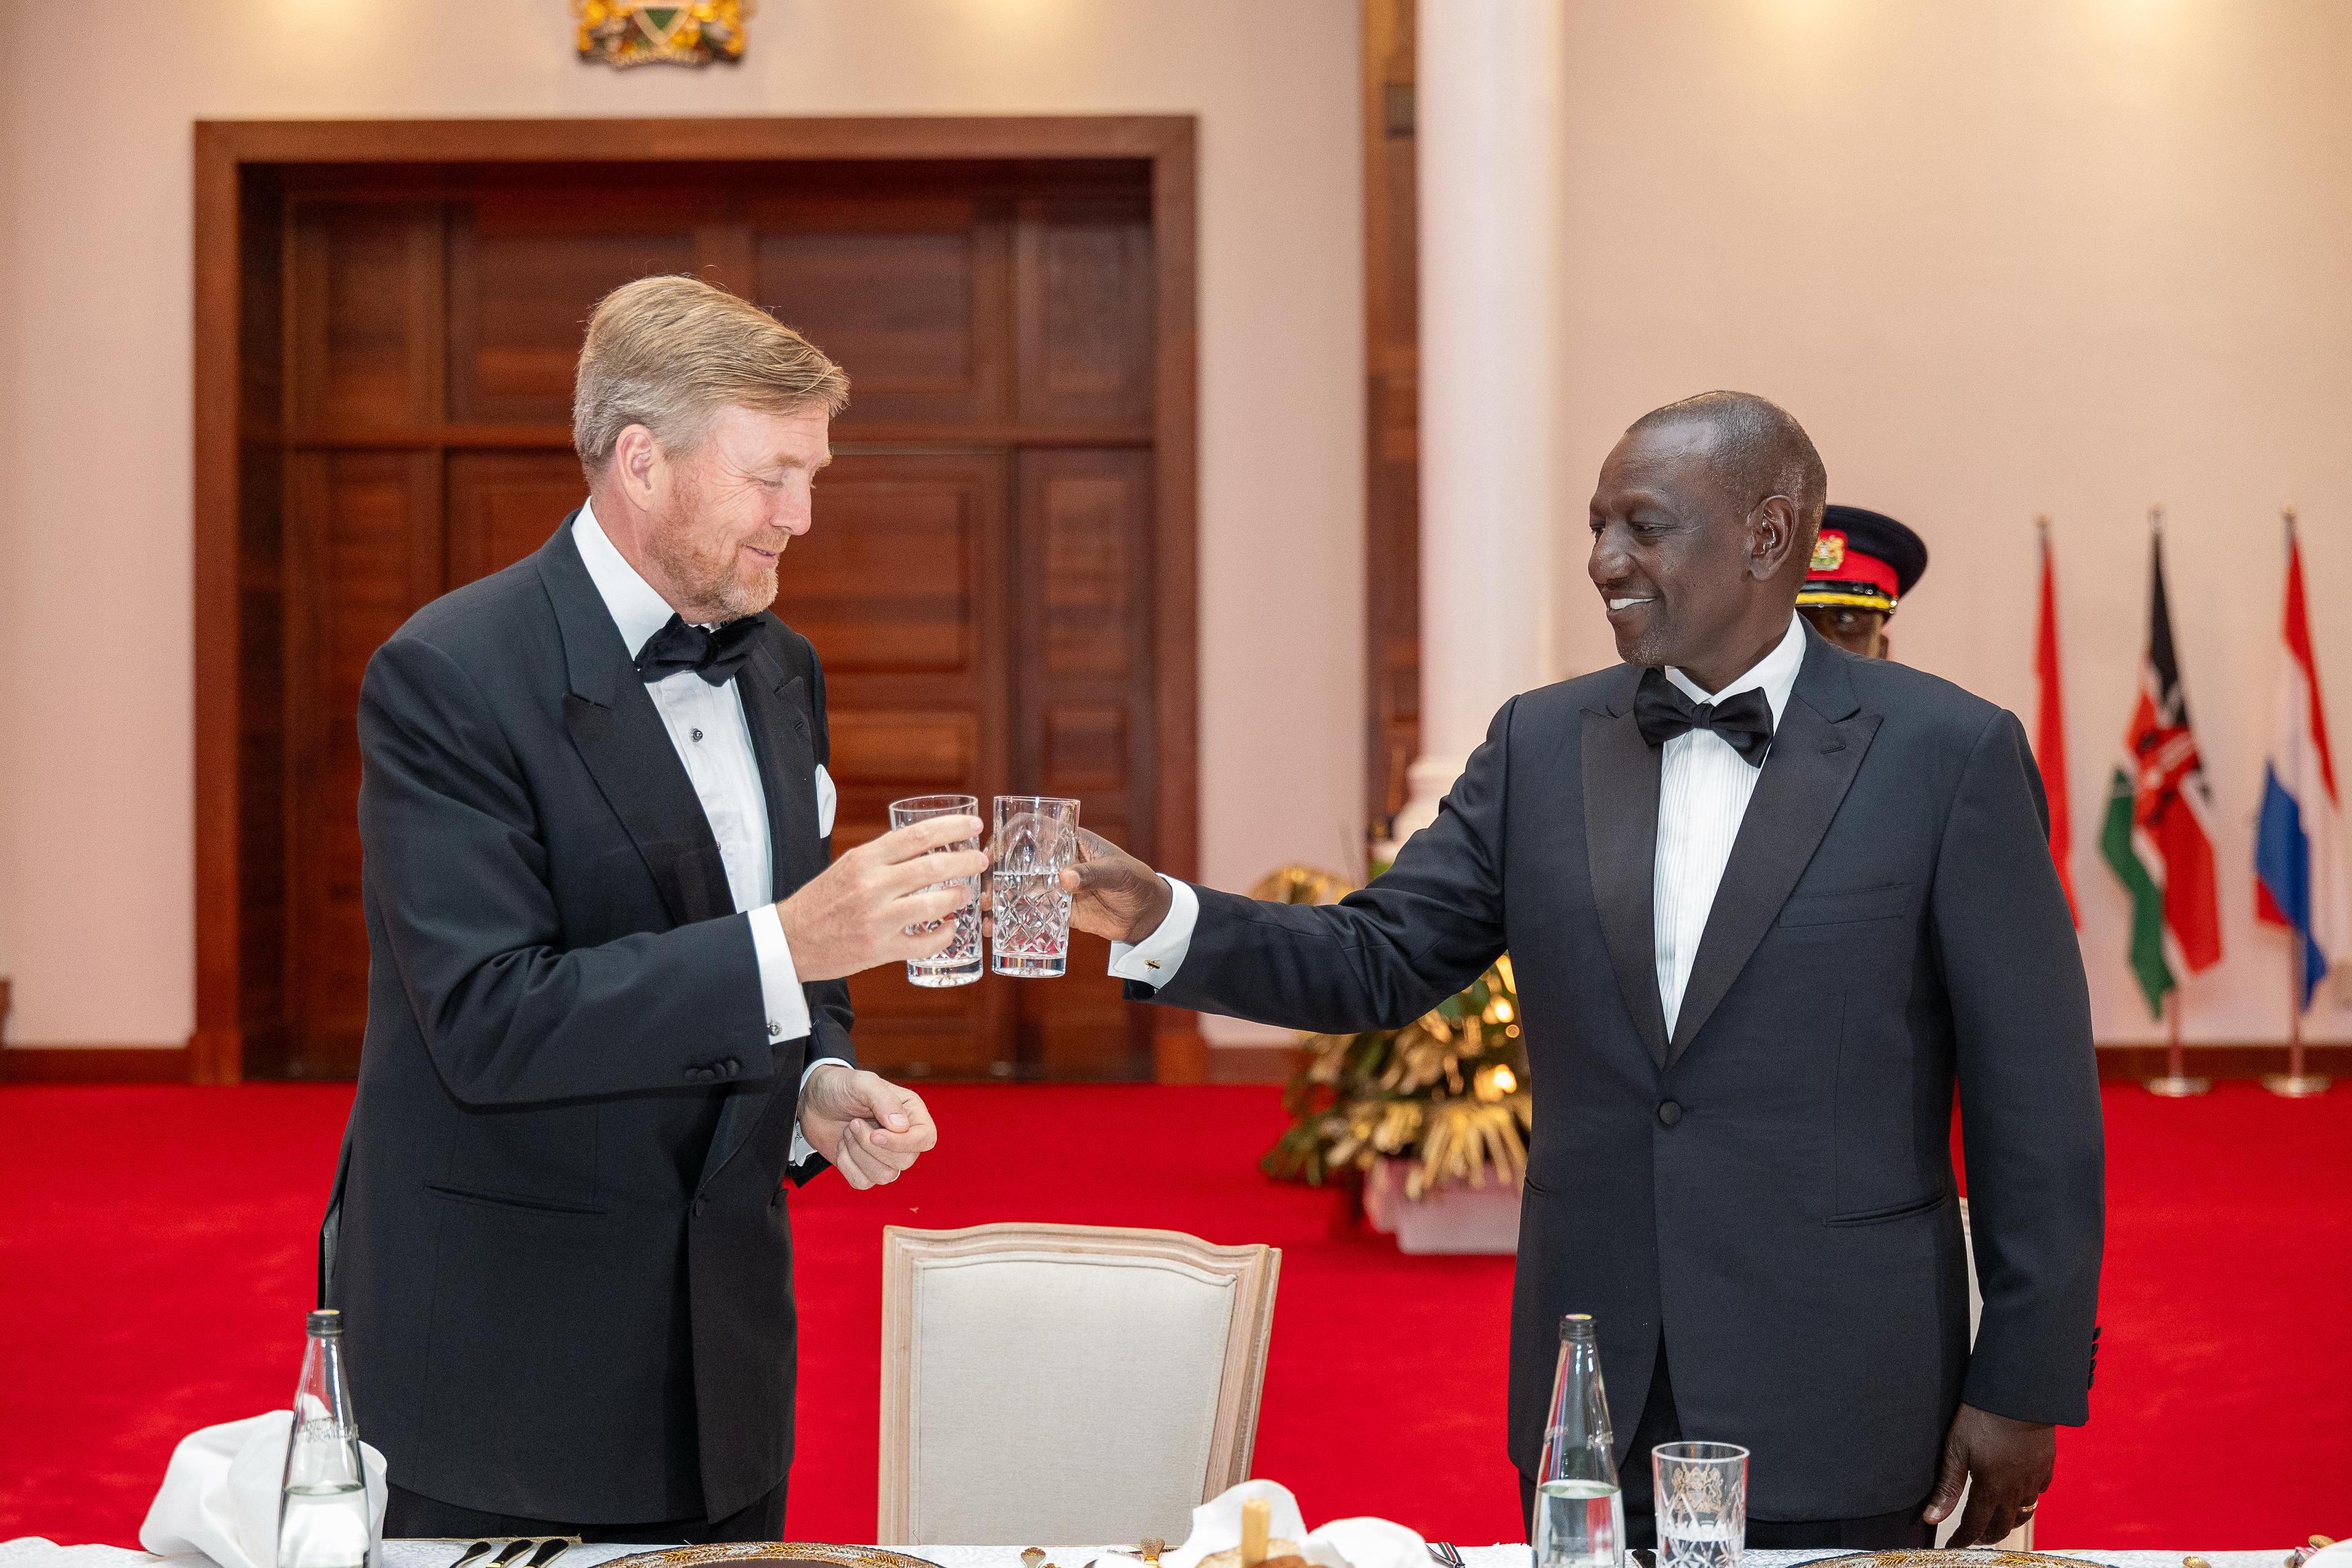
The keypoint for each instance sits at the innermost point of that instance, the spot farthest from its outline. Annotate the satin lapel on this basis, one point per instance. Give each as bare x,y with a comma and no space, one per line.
1621,844
776,713
620,736
1816,750
775,706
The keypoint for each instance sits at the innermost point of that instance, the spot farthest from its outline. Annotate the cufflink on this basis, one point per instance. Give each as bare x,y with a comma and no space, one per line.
1150,964
775,1030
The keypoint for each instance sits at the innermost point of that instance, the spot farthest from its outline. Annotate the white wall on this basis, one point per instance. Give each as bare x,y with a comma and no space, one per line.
94,793
2005,258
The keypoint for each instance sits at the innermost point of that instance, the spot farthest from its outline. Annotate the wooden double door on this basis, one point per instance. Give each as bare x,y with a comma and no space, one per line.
978,581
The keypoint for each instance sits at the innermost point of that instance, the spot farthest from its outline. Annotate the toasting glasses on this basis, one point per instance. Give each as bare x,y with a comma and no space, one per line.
959,962
1037,836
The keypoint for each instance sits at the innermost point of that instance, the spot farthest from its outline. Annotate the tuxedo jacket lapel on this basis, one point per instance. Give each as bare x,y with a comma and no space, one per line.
776,713
1817,749
1621,846
620,736
776,708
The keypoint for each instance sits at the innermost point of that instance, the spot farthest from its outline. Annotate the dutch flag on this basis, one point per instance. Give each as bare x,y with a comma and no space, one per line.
2298,844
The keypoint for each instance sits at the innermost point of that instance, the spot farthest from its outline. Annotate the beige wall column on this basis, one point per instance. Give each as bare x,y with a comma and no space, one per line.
1491,125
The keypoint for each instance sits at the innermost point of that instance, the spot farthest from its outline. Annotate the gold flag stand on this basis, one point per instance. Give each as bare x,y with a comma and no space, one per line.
2176,1083
2294,1083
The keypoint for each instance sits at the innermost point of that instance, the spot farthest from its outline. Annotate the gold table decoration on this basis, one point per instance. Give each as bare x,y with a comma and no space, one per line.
793,1551
1940,1557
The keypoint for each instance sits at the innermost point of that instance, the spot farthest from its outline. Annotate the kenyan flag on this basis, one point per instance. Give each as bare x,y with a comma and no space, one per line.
2154,835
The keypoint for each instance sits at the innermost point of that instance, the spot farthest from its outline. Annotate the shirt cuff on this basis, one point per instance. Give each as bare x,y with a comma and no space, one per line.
802,1152
1155,960
781,1000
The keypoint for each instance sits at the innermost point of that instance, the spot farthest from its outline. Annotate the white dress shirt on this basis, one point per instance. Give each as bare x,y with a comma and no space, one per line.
1704,786
713,739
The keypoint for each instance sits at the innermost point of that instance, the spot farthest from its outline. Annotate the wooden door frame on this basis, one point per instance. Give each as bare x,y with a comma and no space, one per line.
230,154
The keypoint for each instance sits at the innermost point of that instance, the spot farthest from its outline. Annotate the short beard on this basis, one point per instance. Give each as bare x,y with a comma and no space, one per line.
702,579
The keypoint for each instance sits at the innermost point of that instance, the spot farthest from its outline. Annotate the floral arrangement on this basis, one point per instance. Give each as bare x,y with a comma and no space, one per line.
1446,1092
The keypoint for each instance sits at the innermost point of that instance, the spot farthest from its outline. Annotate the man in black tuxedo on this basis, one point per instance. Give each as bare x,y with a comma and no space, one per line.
606,1017
1689,857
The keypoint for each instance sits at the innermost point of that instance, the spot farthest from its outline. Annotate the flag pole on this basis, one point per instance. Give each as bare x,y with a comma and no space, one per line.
2294,1083
2176,1083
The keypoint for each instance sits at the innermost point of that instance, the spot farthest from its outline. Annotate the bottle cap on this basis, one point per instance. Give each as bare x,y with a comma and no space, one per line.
326,1321
1576,1326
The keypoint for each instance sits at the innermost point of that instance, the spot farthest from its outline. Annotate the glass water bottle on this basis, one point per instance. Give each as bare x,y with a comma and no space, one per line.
322,1505
1579,1519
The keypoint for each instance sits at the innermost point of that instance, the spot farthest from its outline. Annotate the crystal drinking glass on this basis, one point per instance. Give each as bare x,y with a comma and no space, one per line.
1036,835
959,962
1700,1492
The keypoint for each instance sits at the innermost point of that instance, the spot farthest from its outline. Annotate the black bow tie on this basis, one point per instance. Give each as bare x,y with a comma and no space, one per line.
1745,721
714,655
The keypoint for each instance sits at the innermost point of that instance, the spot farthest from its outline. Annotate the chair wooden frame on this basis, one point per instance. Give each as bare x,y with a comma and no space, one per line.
1254,1270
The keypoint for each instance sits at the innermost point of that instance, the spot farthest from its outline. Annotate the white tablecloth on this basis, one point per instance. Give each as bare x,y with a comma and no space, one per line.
33,1553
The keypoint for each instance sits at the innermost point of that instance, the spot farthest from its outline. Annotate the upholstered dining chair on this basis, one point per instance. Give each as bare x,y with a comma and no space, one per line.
2021,1538
1066,1384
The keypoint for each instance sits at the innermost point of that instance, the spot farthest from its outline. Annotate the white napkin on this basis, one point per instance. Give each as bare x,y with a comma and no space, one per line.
219,1497
1342,1543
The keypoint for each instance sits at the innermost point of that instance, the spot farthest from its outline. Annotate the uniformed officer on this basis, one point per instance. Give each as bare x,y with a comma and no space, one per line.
1865,562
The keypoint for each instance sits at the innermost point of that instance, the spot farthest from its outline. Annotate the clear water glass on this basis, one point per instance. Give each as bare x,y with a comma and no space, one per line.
1037,836
1702,1503
959,962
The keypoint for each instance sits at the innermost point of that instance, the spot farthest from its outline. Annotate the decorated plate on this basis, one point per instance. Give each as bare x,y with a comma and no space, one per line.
799,1554
1975,1557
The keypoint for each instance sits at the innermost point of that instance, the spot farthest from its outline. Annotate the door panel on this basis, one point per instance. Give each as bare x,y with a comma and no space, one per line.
908,291
504,505
363,530
1085,284
364,299
901,587
524,273
1085,707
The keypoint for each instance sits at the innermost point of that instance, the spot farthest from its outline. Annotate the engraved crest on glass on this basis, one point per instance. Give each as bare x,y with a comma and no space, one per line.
1037,836
1702,1503
959,962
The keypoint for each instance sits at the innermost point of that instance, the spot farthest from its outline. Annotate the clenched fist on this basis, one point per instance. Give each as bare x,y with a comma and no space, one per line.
867,1126
861,910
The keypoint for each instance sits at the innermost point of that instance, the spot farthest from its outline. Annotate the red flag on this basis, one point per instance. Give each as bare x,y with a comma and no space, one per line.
2050,729
2155,834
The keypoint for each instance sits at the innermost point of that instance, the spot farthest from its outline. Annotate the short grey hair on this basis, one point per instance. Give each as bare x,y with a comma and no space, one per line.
668,352
1758,448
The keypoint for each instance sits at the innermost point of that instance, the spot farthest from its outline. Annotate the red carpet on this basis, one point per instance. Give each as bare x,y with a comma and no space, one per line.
155,1260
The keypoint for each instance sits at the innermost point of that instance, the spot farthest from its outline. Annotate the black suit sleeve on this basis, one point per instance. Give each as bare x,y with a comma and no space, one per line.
457,878
1382,956
2028,1085
829,1012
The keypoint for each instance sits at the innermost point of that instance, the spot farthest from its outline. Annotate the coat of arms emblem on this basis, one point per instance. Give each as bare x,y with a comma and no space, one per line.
633,33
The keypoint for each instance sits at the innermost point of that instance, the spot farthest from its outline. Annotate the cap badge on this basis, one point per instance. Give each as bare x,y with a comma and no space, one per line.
1828,552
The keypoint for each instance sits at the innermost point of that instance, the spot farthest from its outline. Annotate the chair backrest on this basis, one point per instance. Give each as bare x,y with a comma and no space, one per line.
1063,1383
